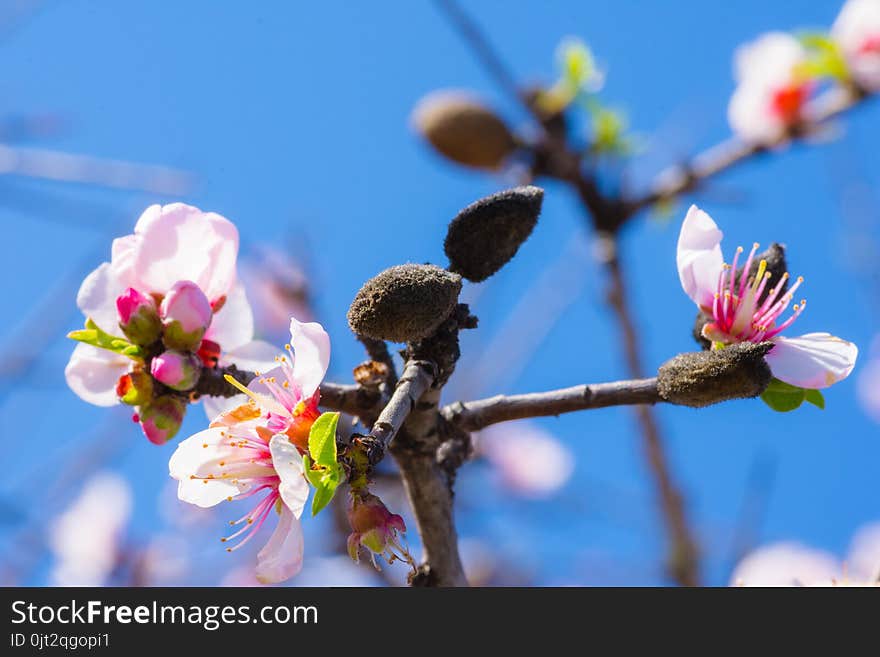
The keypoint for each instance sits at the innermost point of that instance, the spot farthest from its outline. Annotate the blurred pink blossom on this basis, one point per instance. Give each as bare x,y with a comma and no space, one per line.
869,382
794,564
529,460
771,90
857,32
86,538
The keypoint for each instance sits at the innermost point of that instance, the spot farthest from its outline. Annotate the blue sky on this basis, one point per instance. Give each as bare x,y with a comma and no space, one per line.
295,118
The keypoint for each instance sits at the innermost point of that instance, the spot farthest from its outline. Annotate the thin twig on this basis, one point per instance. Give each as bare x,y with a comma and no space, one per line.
417,377
721,157
684,558
482,48
479,414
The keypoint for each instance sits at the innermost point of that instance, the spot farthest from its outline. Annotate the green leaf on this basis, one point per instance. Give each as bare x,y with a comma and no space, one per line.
814,397
325,492
313,476
325,480
825,57
322,439
782,397
92,334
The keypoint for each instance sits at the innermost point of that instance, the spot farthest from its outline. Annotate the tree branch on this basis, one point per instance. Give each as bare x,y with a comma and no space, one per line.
684,556
479,414
717,159
417,377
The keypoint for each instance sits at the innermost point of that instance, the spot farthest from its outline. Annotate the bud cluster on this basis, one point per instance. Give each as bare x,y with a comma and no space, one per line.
170,330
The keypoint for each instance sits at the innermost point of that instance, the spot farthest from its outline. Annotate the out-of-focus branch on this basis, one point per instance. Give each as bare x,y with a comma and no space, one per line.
484,51
683,560
479,414
68,167
721,157
555,158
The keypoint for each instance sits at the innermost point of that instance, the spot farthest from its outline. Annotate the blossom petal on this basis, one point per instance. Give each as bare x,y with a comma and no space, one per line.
215,406
813,360
233,326
311,349
93,373
255,356
184,243
699,257
281,558
288,464
785,564
97,298
196,457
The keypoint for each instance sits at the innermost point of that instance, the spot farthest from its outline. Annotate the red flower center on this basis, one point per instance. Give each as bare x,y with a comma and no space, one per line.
788,102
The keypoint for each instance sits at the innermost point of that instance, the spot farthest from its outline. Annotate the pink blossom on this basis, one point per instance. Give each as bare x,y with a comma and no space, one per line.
857,32
255,450
786,564
138,317
739,312
772,88
529,460
374,527
170,244
869,382
186,314
86,538
176,369
161,417
794,564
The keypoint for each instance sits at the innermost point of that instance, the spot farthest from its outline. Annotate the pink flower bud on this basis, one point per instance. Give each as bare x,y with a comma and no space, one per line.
138,317
161,418
375,528
135,388
186,315
178,370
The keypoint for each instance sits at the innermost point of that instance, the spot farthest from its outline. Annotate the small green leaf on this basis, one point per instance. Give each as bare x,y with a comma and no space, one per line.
313,476
325,481
326,490
96,337
814,397
322,440
783,397
825,57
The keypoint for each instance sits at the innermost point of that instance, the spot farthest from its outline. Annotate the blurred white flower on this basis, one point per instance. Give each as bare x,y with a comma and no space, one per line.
869,382
863,560
85,539
771,88
165,560
278,289
794,564
528,459
857,31
786,564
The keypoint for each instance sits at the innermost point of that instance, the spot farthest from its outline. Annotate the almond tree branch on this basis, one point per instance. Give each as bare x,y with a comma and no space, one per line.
481,413
555,158
417,378
717,159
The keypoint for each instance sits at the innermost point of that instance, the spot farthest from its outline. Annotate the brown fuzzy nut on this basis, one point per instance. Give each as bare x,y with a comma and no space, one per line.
702,378
464,130
487,234
405,303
